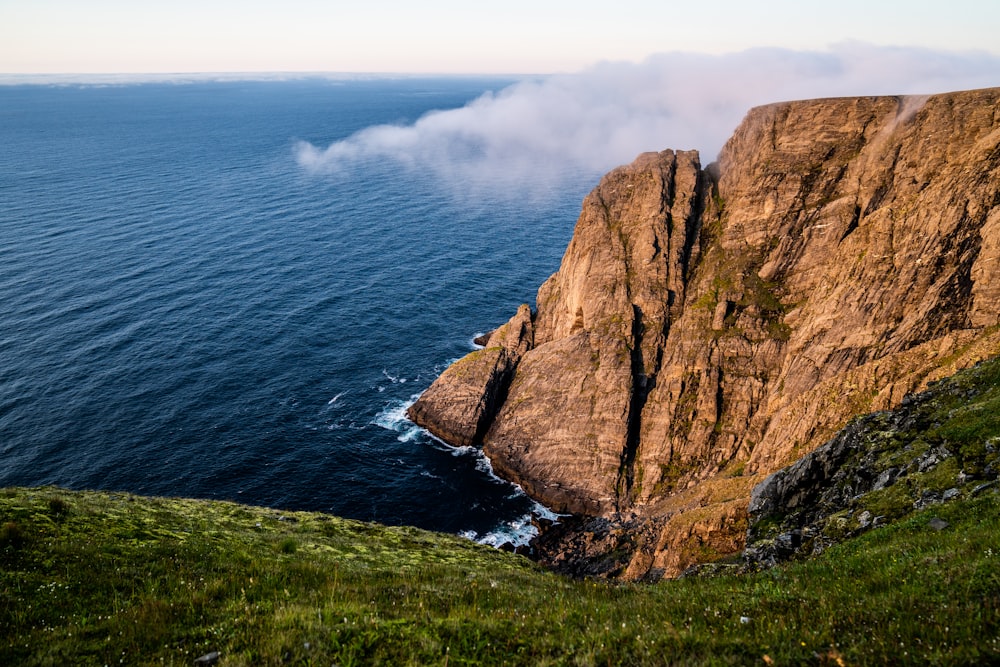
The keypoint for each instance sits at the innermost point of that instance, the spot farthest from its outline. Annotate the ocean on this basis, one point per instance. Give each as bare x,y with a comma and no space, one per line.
187,311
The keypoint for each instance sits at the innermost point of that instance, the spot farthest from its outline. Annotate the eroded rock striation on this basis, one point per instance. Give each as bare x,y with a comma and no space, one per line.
708,326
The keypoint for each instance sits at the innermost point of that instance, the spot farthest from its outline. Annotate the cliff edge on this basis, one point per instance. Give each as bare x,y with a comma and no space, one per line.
708,326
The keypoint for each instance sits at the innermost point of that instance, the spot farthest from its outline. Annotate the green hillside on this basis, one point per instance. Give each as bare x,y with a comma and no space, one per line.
101,578
111,579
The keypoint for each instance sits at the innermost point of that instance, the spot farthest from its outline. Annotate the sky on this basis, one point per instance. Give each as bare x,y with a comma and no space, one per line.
601,82
452,36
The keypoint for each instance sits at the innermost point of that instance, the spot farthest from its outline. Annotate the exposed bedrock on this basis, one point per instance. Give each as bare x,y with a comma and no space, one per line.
708,326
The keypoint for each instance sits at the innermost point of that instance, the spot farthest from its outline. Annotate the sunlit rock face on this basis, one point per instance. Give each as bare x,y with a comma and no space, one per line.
708,326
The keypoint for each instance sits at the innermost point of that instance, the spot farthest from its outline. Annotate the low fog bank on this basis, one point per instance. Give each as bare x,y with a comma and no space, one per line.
534,134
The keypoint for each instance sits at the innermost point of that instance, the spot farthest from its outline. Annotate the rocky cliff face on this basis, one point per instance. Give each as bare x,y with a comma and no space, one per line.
708,326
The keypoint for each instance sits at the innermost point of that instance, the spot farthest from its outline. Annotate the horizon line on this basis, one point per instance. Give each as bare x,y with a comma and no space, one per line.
85,78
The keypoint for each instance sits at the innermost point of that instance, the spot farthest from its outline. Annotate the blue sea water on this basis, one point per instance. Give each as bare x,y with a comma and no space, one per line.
185,311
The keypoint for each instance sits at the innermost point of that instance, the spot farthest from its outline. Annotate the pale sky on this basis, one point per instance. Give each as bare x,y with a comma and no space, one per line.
451,36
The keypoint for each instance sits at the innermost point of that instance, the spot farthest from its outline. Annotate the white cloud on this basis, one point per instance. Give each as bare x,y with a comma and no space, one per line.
538,132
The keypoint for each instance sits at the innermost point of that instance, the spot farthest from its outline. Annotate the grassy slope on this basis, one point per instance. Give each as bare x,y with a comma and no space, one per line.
99,578
96,578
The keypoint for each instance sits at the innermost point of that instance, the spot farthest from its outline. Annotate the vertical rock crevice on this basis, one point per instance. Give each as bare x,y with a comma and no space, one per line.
641,384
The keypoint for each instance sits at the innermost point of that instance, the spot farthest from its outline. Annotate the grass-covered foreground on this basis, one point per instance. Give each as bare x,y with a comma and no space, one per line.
97,578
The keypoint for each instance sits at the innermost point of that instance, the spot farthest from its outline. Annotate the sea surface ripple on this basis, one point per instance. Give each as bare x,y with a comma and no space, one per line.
187,312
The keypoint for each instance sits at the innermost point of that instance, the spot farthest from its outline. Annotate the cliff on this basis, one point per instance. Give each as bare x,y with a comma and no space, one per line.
708,326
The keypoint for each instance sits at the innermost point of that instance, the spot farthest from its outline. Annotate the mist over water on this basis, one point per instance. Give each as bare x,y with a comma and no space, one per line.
539,134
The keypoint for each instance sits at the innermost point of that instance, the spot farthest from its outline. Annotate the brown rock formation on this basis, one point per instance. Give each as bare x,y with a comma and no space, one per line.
463,401
707,327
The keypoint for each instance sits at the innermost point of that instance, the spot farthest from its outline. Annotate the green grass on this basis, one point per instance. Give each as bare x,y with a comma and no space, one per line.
98,578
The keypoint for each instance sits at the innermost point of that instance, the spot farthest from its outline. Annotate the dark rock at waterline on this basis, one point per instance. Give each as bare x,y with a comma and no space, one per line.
593,547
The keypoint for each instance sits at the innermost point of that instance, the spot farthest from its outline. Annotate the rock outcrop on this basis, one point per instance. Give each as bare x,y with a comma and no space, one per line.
939,445
708,326
463,401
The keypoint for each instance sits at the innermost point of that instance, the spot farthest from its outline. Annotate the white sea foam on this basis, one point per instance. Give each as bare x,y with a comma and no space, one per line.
518,531
393,418
466,450
395,379
335,398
